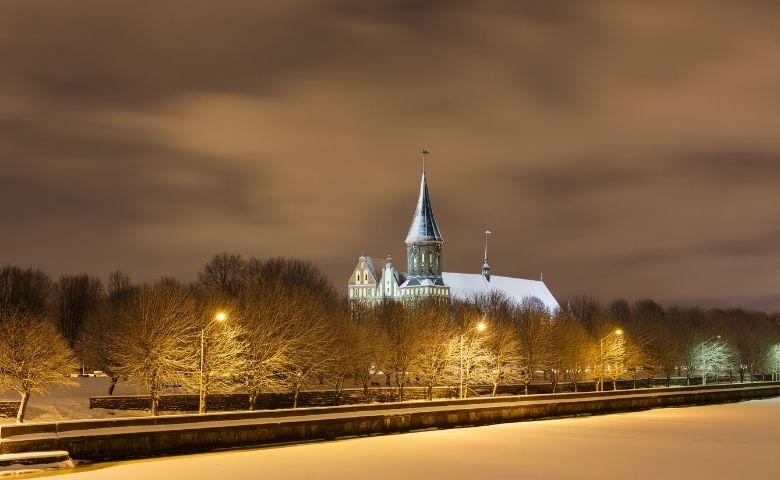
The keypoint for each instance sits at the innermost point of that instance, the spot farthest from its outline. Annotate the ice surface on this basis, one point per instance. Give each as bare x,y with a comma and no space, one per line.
731,441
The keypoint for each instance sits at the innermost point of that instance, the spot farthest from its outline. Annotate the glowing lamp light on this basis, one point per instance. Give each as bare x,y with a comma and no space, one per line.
481,326
220,316
618,332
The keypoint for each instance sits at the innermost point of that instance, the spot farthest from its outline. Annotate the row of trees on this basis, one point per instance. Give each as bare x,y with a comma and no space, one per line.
278,325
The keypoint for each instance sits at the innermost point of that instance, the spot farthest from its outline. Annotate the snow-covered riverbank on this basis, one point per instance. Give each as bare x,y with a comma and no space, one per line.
713,442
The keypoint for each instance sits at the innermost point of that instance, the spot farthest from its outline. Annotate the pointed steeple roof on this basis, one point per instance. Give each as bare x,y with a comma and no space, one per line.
424,228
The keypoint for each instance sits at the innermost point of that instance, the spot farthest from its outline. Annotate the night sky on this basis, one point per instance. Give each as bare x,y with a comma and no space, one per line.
625,149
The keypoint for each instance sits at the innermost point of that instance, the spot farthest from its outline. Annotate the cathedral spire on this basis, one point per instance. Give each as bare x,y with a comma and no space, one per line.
424,246
423,228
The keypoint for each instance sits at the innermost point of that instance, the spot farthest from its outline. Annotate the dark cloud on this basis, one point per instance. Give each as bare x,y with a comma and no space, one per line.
626,149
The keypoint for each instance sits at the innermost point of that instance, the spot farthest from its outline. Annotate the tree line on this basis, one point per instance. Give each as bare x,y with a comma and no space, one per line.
278,325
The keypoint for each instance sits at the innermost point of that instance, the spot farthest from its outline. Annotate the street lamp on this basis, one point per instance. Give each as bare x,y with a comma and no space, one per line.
479,327
219,317
617,332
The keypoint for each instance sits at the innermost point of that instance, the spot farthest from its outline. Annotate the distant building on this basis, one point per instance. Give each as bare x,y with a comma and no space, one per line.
424,276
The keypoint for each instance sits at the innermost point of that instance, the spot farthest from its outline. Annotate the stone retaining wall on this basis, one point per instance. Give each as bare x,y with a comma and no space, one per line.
146,436
8,408
350,396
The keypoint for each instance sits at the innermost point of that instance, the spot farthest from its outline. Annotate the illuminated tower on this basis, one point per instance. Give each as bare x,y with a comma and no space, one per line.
424,245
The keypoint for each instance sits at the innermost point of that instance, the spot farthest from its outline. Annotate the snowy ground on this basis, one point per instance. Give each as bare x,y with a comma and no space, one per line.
72,402
729,441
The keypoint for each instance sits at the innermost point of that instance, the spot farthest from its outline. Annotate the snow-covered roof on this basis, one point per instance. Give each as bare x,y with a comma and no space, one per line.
370,264
467,285
424,228
422,281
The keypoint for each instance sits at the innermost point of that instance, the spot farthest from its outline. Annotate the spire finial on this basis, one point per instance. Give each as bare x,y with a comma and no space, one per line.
486,265
541,276
424,152
487,234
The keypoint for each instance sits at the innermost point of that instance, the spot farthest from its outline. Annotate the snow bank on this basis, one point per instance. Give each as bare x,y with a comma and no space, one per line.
32,462
717,442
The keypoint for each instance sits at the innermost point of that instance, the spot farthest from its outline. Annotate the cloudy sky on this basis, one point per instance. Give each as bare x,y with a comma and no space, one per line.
625,149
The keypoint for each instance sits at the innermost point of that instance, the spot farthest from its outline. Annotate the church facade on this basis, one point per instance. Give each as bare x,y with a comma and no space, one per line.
424,276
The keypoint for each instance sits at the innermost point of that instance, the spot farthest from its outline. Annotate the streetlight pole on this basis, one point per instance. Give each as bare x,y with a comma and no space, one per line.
219,317
480,327
617,332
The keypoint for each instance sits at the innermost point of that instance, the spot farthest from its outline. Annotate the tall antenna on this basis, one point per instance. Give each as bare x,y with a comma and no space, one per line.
424,153
487,234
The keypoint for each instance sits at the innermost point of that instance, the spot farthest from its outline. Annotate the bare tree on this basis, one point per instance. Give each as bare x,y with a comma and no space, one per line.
33,355
532,323
713,356
436,348
26,290
573,347
294,273
77,296
668,349
344,348
503,350
155,337
613,359
224,273
219,348
99,330
369,347
500,339
639,356
311,354
403,343
773,361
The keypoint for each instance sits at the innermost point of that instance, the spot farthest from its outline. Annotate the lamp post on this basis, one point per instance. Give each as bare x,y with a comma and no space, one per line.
618,332
219,317
480,327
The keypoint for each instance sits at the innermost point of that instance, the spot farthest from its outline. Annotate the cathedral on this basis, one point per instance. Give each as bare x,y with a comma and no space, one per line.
424,276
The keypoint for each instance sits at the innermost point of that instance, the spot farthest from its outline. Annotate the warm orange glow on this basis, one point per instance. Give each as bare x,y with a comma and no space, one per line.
481,326
220,316
618,332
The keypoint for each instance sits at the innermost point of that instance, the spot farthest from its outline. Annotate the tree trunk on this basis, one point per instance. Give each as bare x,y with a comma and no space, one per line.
114,381
495,389
366,394
296,391
430,392
614,384
155,406
668,381
526,389
338,389
576,386
22,407
252,400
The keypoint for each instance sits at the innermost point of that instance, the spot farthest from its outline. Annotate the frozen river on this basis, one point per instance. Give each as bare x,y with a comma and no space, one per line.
733,441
